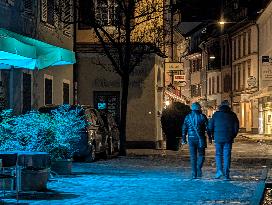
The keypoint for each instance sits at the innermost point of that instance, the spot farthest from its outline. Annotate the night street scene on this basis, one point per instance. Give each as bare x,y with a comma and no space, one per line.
146,102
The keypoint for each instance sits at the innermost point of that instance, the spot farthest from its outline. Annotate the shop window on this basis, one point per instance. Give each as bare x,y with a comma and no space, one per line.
213,85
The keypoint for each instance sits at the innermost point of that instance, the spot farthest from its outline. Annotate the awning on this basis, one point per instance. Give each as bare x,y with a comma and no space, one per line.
24,52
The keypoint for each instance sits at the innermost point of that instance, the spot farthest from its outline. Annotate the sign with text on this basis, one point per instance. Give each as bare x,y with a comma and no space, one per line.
179,78
267,71
174,66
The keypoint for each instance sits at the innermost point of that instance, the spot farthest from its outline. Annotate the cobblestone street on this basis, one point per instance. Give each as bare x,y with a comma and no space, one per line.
160,178
151,180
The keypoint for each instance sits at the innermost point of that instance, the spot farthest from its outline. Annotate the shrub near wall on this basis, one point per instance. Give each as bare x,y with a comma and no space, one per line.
172,120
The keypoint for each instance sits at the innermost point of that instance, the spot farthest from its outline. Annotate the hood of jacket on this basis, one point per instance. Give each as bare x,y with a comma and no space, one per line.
224,108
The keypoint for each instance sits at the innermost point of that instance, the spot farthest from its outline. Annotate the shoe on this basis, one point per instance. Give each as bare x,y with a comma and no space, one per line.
218,175
199,173
227,179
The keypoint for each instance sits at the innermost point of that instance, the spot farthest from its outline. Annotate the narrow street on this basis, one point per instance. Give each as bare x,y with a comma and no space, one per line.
157,179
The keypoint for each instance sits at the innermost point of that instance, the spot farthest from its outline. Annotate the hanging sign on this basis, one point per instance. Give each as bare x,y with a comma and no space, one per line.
179,78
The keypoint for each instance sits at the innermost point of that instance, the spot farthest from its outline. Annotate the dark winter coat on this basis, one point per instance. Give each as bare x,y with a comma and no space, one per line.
224,125
199,121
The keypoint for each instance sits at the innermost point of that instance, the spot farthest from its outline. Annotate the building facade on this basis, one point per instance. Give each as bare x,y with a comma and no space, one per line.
37,23
264,96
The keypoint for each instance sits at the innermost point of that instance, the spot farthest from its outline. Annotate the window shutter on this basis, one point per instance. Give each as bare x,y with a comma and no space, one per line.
44,10
67,14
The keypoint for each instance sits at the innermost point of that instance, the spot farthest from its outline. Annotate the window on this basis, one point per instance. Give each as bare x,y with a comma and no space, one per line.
48,90
210,86
223,54
213,85
65,91
234,49
28,6
239,77
26,92
244,44
249,68
239,46
106,12
227,83
218,84
249,41
234,80
47,12
244,75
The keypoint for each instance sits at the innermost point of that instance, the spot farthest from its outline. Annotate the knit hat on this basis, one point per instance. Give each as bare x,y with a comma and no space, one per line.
196,106
225,102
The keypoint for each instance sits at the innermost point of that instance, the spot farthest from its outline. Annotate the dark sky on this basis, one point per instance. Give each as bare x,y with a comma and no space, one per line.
202,10
199,10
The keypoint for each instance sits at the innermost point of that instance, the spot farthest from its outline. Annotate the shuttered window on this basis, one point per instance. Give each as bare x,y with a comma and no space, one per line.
48,12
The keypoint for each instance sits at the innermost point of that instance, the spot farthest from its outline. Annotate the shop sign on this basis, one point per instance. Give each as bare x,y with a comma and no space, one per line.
174,66
182,84
251,81
267,71
179,78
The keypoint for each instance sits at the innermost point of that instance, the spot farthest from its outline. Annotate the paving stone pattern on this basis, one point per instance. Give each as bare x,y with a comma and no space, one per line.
146,180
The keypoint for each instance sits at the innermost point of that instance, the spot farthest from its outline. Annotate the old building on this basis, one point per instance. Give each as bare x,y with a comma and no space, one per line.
36,63
264,28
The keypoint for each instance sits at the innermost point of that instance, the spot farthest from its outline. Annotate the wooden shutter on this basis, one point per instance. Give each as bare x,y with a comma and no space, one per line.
44,10
67,14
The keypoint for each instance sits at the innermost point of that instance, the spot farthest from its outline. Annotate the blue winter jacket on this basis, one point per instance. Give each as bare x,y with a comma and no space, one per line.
199,121
224,125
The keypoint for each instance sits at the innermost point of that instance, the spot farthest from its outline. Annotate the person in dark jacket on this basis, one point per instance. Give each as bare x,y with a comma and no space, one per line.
224,127
194,126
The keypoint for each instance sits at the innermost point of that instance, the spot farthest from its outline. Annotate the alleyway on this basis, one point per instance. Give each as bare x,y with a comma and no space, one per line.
155,180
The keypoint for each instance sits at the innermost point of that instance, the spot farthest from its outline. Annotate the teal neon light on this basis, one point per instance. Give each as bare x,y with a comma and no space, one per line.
24,52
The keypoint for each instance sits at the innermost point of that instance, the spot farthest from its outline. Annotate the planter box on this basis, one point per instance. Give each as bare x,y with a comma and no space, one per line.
34,180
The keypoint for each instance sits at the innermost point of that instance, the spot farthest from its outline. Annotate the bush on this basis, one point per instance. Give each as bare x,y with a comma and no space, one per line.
172,120
56,133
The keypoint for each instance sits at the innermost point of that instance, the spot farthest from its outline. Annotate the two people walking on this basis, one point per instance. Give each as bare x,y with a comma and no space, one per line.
223,127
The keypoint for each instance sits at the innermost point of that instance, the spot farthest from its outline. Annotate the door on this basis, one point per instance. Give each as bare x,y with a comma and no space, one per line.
109,101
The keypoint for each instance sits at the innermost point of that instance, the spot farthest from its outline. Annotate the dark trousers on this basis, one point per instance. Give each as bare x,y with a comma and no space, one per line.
223,150
197,156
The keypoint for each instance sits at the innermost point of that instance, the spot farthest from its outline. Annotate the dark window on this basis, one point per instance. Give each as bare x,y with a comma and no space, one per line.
28,6
210,86
244,44
249,68
66,93
239,77
50,12
227,83
249,41
218,84
239,46
224,54
48,91
26,92
234,80
234,49
213,85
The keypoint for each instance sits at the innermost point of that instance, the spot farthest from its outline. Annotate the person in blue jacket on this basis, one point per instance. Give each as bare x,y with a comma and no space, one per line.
224,127
194,126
